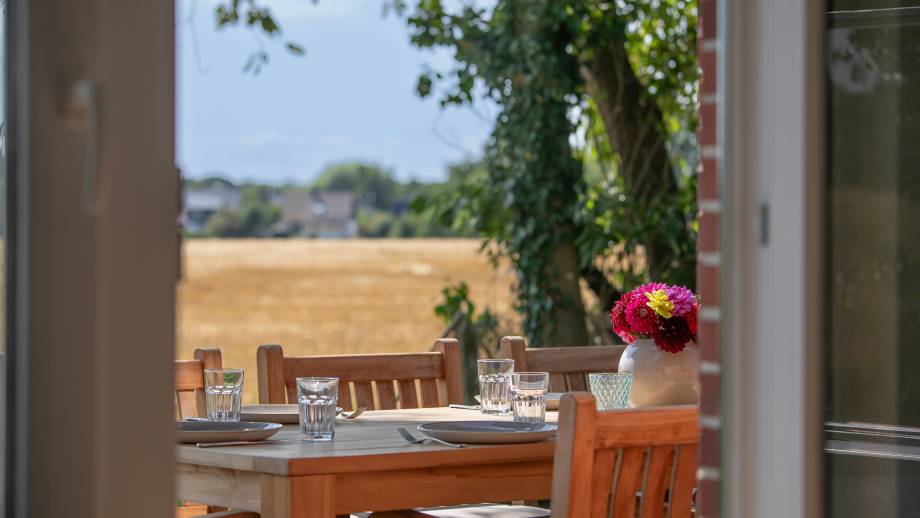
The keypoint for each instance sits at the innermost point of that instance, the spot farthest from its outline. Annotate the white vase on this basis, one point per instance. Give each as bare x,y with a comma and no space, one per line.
659,377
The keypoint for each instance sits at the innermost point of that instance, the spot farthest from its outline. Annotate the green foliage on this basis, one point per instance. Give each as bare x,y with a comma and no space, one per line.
536,191
526,203
478,333
253,15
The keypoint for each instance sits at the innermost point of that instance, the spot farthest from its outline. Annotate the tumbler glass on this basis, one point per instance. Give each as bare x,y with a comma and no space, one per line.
495,386
528,396
223,390
316,400
611,389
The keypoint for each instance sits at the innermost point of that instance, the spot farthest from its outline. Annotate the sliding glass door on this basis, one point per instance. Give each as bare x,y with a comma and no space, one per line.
872,294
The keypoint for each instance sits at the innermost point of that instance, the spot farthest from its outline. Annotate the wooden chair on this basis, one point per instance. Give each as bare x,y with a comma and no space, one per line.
637,463
190,402
568,367
403,380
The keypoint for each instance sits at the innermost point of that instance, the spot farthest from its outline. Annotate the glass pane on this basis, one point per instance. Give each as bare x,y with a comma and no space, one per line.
872,302
874,208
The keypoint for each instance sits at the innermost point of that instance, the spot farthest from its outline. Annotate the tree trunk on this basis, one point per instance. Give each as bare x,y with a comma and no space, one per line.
636,129
569,326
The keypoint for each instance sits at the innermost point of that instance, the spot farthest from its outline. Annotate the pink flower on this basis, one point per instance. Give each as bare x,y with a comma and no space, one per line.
618,319
682,298
673,335
641,318
691,319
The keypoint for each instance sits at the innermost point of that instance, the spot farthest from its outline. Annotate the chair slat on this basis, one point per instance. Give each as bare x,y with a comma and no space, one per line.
364,393
429,393
657,481
671,425
604,358
408,395
605,462
628,482
189,375
188,404
557,382
386,394
684,481
367,367
345,396
576,381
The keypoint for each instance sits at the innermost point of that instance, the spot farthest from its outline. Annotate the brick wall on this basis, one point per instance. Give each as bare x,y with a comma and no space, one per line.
708,269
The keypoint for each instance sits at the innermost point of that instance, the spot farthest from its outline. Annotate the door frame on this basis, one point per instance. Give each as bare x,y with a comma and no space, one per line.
93,204
772,135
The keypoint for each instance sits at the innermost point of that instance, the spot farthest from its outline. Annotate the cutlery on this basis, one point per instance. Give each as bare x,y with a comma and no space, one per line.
358,411
242,443
464,407
412,439
196,419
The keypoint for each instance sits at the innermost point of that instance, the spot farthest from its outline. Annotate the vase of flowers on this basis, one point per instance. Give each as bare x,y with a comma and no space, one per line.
658,322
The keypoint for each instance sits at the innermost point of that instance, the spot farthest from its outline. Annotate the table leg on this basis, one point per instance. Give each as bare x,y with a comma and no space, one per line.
298,497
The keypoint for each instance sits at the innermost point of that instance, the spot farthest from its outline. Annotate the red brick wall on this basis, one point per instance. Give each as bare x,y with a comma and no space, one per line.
708,269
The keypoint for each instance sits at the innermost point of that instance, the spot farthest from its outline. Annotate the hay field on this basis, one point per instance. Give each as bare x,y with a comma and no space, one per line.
324,296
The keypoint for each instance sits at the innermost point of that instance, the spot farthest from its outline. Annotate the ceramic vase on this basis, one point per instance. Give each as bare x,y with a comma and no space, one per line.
661,378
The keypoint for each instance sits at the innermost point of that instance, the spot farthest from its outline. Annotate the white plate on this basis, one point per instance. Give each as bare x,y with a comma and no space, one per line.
488,432
220,431
278,413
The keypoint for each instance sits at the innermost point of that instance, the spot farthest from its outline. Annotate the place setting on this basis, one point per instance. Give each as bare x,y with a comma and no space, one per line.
229,423
502,393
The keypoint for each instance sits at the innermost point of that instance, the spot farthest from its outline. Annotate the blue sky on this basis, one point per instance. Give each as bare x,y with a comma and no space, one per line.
352,96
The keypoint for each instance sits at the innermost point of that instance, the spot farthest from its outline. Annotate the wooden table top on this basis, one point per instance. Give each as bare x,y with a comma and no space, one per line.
370,442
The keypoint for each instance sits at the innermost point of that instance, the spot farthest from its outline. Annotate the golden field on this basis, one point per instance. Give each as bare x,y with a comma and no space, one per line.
324,296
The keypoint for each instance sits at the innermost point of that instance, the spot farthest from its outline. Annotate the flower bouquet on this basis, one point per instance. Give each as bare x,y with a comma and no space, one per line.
659,323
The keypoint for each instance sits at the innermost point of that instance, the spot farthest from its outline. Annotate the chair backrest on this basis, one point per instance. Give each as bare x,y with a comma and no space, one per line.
402,380
190,401
638,463
568,367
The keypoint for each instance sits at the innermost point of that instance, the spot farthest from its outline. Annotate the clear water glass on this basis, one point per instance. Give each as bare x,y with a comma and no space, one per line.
495,386
611,389
316,401
223,389
528,396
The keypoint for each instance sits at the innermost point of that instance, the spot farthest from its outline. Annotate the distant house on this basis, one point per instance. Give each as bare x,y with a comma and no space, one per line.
200,204
328,214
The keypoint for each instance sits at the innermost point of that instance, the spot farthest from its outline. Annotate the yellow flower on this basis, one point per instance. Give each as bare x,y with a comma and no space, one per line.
658,301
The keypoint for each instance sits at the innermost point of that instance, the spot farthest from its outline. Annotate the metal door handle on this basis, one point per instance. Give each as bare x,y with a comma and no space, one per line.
83,107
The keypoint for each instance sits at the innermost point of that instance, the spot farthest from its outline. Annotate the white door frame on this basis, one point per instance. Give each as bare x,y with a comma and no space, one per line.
772,137
96,258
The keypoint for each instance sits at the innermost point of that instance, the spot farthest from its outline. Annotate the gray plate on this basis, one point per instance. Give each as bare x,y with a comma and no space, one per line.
277,413
488,432
286,414
214,431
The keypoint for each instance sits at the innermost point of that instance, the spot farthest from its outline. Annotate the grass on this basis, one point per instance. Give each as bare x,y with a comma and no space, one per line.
324,296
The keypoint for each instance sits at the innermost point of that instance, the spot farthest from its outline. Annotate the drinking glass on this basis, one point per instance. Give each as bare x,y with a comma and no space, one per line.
223,389
611,389
495,386
528,396
316,401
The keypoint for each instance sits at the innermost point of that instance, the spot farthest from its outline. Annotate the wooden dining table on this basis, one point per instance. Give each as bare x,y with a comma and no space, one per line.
367,467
